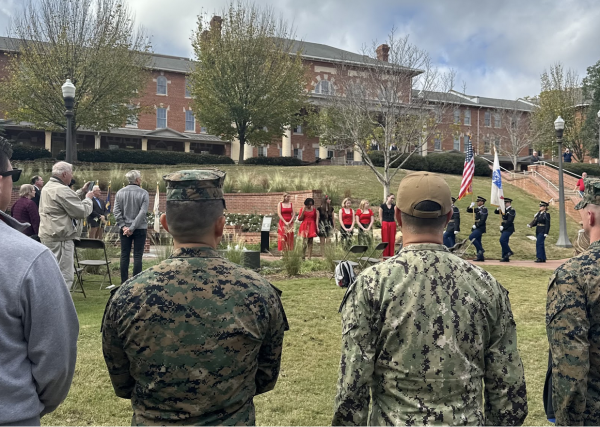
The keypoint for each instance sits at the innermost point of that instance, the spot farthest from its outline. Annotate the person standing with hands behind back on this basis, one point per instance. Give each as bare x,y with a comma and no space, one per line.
364,221
388,225
285,231
346,219
308,229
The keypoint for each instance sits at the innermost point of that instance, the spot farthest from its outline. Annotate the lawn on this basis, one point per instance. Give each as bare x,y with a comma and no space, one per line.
306,388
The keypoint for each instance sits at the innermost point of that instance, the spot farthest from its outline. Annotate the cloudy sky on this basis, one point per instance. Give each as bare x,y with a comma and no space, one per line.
497,48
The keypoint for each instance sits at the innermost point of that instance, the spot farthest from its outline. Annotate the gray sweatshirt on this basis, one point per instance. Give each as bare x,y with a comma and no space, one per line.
131,207
38,329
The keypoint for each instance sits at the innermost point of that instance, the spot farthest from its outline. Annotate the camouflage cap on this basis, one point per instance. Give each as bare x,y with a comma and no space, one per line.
591,193
195,185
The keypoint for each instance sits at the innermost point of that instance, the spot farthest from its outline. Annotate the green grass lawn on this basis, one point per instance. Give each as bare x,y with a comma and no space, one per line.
306,388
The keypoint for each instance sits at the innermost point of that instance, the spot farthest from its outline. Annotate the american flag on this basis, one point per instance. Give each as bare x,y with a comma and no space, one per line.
466,185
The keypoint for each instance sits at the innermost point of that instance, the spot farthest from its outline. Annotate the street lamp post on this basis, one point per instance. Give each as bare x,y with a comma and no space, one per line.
563,238
68,90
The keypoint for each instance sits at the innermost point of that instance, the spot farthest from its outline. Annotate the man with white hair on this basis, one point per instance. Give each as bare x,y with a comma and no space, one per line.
131,207
60,211
98,216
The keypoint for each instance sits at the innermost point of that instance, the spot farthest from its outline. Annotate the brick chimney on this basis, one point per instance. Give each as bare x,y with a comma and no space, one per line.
383,52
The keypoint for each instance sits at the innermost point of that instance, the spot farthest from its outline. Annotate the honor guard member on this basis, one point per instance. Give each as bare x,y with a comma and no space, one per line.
425,334
507,228
193,339
573,324
453,227
541,222
481,214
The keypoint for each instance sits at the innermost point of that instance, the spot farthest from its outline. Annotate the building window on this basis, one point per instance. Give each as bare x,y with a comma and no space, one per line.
202,129
531,151
298,153
330,154
486,146
262,151
468,117
487,119
438,116
466,143
437,143
456,117
188,93
190,123
132,119
497,143
497,122
324,87
298,130
316,153
349,156
457,143
161,118
161,85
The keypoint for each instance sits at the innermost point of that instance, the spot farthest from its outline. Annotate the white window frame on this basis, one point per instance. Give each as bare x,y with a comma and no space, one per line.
437,143
319,88
456,116
203,129
298,130
159,79
497,121
298,153
487,119
456,142
330,154
487,147
262,151
467,120
316,153
159,118
465,139
193,121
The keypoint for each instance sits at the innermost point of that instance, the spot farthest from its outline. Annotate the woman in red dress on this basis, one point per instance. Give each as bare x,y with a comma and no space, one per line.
364,221
308,229
285,231
346,219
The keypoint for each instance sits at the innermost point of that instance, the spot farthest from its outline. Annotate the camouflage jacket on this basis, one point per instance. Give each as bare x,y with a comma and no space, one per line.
573,328
193,339
422,332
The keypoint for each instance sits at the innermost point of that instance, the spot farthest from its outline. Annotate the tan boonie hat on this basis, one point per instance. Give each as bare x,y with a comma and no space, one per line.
421,186
195,185
591,193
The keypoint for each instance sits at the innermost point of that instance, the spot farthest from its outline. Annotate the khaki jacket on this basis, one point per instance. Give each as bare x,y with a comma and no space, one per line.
61,212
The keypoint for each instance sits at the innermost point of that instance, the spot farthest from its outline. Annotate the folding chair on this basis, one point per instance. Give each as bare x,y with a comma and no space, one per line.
369,258
356,249
78,281
461,247
93,244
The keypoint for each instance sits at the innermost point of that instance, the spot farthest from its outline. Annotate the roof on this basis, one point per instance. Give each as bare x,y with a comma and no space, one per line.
454,97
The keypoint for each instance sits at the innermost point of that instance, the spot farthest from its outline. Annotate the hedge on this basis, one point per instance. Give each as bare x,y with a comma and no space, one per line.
579,168
24,152
274,161
148,157
448,163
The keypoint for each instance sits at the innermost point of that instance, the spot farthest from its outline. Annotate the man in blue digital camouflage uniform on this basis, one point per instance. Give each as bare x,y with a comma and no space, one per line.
193,339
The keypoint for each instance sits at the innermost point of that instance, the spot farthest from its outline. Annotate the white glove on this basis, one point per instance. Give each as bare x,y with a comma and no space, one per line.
474,226
534,215
545,235
528,225
501,228
456,232
472,204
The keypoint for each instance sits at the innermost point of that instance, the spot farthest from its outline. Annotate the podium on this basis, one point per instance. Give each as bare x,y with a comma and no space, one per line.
265,229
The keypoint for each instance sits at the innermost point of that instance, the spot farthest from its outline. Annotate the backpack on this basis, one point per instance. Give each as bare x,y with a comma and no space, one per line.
344,274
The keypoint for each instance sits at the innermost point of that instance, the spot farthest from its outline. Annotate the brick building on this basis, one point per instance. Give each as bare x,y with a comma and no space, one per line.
168,122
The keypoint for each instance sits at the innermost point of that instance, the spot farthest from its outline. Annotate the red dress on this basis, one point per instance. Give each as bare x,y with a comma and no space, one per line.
308,228
285,240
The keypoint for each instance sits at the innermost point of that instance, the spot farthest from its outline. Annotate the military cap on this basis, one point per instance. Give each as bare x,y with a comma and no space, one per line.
506,199
423,186
591,193
195,185
453,199
481,199
542,203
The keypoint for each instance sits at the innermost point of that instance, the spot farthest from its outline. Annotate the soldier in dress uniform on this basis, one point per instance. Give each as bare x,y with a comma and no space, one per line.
541,222
425,334
453,226
507,228
573,324
193,339
481,214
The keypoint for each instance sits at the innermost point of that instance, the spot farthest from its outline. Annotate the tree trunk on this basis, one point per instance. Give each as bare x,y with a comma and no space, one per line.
242,140
514,162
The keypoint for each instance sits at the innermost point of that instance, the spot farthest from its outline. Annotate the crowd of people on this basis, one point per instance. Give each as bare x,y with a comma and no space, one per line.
427,337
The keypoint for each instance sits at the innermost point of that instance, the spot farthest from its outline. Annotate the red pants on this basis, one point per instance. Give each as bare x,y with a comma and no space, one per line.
388,234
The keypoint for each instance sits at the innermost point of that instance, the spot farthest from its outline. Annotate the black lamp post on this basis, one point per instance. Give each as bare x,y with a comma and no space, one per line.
563,238
68,90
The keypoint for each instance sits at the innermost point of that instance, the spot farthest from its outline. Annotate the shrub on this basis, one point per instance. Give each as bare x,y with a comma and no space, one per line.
416,162
25,152
453,163
579,168
292,260
274,161
149,157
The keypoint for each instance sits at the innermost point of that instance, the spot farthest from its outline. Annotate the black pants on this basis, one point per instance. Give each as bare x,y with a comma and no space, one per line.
138,239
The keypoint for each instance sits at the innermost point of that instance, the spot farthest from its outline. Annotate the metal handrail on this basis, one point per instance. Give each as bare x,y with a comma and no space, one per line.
543,163
512,173
550,183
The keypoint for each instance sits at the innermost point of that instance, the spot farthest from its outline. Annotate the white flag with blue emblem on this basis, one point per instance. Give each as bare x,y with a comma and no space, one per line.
497,198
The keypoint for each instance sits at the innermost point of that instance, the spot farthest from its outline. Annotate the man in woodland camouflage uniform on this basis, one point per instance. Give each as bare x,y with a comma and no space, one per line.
573,324
426,334
193,339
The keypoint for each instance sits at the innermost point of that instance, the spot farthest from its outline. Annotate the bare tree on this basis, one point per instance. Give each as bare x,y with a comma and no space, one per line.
516,131
394,98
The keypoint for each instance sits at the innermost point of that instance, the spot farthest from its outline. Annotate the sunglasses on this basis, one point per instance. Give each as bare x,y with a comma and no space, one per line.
15,174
